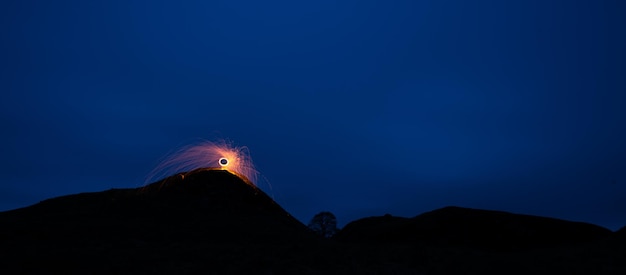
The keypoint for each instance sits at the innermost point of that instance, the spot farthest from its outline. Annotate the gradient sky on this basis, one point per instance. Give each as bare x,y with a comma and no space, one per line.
356,107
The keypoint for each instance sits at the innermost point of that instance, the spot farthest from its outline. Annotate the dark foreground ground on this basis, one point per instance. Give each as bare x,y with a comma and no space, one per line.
211,222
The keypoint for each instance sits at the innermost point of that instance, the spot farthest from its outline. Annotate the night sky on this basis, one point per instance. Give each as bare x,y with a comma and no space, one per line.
356,107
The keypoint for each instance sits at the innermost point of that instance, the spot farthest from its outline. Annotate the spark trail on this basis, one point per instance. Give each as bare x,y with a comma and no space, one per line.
208,155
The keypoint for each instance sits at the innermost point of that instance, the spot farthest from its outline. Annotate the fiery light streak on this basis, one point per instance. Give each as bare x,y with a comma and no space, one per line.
208,155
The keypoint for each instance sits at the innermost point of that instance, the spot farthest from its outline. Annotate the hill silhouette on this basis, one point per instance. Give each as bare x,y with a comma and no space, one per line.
474,228
214,205
169,223
622,231
213,222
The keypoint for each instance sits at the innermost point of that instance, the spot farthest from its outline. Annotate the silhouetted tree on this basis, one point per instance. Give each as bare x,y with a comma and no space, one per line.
324,224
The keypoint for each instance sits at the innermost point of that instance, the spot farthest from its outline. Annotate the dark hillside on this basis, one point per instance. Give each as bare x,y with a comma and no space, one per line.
473,228
212,222
207,214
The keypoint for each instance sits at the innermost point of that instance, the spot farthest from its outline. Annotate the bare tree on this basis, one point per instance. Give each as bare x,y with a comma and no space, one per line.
324,224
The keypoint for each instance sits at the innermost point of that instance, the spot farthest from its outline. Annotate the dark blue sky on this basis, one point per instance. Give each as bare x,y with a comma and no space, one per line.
356,107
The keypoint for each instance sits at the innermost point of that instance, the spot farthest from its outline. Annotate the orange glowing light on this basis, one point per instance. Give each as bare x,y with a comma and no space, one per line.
208,155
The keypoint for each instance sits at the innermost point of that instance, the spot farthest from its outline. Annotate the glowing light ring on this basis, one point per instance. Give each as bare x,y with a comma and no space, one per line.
223,162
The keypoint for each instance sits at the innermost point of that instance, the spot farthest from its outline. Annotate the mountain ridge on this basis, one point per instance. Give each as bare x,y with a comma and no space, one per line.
212,221
460,226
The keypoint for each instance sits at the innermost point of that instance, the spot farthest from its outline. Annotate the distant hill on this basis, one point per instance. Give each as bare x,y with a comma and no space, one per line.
473,228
